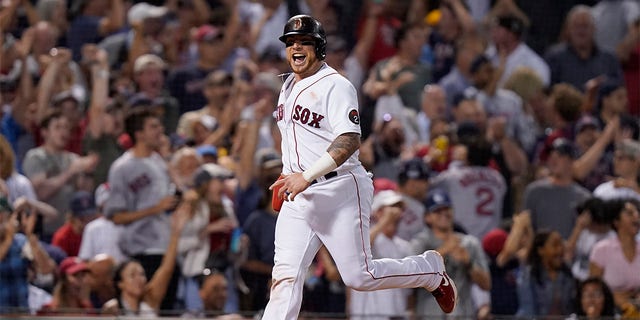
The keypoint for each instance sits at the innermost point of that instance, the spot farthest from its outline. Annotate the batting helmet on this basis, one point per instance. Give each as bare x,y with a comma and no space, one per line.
306,25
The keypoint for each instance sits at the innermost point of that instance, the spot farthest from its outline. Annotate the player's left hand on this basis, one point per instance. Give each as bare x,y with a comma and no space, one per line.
290,186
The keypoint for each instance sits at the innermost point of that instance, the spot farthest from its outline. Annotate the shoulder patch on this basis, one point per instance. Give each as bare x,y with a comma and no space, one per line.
354,116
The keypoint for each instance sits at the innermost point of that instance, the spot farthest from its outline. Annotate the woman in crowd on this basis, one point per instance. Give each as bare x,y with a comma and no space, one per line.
71,294
594,300
545,285
211,218
137,297
617,259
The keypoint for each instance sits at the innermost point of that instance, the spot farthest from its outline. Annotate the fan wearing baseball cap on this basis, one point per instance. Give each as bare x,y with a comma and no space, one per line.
626,168
386,212
507,33
101,235
71,294
83,210
413,183
551,200
462,253
216,51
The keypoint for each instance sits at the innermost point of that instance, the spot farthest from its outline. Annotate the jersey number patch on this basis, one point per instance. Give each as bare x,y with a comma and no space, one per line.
354,116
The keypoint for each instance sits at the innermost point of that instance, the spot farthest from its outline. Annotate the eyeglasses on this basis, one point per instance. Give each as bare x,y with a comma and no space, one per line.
290,43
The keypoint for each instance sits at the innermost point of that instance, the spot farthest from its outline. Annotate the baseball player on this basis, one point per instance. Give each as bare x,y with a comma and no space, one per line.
327,192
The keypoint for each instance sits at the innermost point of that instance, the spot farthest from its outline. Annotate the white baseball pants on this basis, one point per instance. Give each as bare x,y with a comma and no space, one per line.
335,213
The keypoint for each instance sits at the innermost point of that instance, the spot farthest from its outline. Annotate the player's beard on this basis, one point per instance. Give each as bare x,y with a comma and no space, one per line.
306,69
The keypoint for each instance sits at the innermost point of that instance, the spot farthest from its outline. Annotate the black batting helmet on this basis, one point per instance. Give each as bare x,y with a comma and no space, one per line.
306,25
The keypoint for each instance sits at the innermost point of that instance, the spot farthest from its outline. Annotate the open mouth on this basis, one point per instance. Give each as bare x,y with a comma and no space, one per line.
299,59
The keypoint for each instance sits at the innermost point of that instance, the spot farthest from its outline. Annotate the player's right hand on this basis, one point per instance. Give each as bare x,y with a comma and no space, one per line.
290,186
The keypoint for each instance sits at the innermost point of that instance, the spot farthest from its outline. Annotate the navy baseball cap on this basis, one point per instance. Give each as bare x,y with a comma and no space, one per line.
207,150
437,199
512,23
83,204
414,169
586,121
564,147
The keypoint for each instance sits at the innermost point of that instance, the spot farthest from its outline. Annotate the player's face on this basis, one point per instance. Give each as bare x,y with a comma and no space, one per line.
301,55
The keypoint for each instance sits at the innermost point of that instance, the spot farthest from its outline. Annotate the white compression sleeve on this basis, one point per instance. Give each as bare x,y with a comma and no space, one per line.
321,167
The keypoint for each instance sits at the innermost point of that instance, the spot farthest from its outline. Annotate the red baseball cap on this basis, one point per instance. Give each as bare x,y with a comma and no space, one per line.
72,265
493,241
381,184
208,33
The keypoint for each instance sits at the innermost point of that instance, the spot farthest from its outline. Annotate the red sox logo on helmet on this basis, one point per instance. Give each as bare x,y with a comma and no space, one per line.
297,24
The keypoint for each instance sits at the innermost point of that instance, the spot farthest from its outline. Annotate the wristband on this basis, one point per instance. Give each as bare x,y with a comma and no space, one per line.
321,167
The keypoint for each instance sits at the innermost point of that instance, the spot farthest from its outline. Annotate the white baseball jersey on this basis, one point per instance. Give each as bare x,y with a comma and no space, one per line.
307,126
334,212
477,195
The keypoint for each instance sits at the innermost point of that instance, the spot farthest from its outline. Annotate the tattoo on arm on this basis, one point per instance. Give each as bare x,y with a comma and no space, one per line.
344,146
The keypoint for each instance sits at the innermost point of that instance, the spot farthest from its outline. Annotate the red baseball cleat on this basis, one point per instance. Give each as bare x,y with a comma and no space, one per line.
446,294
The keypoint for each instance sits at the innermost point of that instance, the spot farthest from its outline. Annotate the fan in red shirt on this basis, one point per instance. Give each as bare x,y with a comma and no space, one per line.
83,210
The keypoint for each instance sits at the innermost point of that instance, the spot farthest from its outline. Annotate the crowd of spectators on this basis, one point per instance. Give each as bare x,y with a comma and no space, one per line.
138,145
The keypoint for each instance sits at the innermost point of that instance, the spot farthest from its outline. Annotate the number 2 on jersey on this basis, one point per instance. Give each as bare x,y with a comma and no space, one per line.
483,208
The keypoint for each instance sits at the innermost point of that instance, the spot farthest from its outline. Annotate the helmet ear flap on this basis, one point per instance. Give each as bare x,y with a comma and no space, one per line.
321,49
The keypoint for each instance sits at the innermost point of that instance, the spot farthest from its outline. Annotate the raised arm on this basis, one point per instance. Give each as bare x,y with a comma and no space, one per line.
232,28
60,60
99,90
517,236
26,94
157,287
368,35
114,21
583,165
41,260
249,131
8,13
